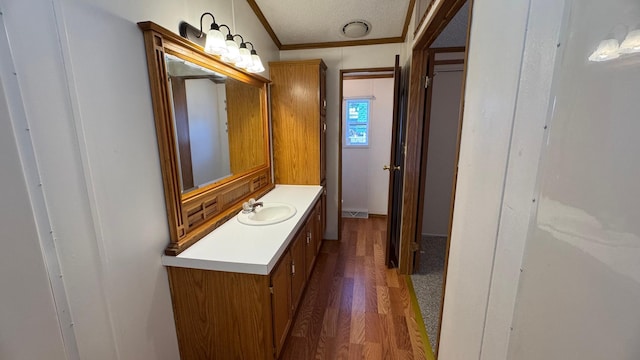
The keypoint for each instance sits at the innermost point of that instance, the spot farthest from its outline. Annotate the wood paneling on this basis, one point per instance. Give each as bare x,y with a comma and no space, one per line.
297,124
354,307
213,331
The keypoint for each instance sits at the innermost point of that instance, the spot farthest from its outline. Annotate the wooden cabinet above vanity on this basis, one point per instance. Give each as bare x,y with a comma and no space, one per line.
299,123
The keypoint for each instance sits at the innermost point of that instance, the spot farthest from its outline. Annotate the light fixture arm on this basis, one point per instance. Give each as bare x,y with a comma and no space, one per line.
241,38
214,26
229,36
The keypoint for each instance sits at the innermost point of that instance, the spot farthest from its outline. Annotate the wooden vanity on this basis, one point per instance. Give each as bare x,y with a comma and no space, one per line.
236,291
235,288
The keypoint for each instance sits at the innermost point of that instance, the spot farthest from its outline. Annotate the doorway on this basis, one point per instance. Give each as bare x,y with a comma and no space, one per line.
443,107
427,61
366,114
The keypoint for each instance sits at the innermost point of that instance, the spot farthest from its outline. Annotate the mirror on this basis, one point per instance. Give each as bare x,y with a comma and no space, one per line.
212,129
212,114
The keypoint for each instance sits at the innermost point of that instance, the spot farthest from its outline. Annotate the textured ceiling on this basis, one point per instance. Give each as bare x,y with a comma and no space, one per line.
455,34
312,21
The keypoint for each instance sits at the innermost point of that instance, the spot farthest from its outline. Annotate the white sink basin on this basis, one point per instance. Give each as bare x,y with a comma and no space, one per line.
268,214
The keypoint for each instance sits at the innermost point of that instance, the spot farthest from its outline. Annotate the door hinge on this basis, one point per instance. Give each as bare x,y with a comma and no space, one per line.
427,81
415,247
271,289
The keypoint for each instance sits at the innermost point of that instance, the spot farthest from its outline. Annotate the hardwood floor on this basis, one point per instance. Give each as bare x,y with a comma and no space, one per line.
354,307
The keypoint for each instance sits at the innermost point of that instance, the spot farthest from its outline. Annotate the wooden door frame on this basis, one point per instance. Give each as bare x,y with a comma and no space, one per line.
341,110
417,138
416,135
432,63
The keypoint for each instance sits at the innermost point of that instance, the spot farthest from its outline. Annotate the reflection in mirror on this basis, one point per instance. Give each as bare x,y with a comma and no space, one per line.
218,124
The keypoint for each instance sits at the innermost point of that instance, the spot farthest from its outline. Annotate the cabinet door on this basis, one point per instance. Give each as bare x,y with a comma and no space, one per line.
323,150
323,90
323,209
295,121
298,268
310,248
317,225
323,121
281,301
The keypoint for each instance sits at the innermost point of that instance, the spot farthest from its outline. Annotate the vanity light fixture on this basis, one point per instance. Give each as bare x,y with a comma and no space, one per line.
224,46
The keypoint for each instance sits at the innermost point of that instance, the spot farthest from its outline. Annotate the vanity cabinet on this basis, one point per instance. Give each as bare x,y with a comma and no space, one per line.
228,315
298,268
281,285
299,125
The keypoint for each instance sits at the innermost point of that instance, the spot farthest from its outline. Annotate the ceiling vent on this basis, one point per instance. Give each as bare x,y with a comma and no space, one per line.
356,28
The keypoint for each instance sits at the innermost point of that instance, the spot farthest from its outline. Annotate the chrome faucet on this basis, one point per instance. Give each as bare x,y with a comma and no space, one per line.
250,206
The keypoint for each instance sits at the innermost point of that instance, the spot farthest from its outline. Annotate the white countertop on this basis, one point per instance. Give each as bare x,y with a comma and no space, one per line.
235,247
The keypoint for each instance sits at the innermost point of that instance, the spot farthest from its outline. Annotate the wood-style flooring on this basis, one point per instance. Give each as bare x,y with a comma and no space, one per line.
354,307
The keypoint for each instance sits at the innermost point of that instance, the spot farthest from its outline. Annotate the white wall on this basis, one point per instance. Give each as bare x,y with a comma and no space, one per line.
506,103
353,57
83,80
27,309
580,286
365,185
578,289
441,156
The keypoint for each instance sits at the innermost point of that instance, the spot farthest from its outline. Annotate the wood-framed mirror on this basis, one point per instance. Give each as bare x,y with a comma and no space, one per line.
213,136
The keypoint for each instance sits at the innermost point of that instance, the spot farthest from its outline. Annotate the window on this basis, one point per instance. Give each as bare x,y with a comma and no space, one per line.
357,124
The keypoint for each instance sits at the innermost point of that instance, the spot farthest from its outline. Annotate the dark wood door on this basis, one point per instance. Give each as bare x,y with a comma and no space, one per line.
396,160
